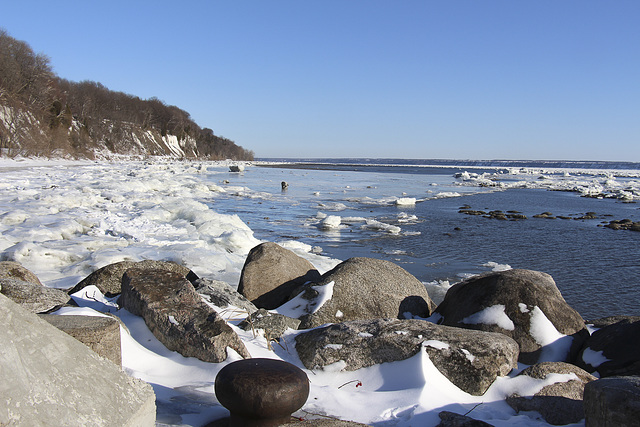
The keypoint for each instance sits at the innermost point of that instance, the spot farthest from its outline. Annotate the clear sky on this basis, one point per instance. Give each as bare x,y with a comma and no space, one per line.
465,79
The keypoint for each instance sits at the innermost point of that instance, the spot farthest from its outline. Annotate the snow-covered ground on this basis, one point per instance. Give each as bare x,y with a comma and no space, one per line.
65,219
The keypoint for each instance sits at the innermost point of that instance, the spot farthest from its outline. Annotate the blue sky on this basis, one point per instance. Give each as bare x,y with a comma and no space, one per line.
466,79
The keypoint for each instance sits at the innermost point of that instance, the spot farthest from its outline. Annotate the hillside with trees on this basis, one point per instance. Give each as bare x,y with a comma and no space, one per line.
42,114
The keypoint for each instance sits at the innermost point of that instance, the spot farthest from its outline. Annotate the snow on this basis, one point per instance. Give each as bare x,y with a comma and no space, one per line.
555,346
593,358
64,219
493,315
300,306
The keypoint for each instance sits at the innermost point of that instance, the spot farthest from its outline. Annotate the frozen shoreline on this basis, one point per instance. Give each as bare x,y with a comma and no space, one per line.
65,219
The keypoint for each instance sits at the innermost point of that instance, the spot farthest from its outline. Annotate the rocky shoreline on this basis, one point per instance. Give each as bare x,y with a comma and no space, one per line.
362,313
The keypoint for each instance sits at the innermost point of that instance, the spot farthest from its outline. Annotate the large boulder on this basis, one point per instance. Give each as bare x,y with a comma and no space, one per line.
559,403
223,295
613,401
271,273
469,359
33,297
109,278
362,289
525,305
176,314
50,378
14,270
613,350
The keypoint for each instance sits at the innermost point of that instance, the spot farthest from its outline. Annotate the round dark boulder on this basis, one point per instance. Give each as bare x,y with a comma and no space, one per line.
262,392
613,350
523,304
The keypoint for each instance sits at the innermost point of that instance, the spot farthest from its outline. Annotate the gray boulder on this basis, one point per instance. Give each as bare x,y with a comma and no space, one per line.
522,304
100,334
469,359
613,350
35,298
71,384
613,401
176,314
271,273
559,403
274,325
14,270
362,289
109,278
223,295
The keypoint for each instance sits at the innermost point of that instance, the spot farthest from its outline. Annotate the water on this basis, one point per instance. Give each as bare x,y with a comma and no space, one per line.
596,269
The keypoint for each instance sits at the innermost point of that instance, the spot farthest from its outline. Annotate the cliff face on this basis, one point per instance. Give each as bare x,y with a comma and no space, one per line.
42,114
21,133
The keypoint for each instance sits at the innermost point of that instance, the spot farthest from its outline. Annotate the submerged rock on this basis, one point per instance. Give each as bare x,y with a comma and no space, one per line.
525,305
274,325
469,359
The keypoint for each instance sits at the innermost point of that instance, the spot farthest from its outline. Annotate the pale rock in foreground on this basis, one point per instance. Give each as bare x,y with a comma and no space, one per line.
469,359
50,378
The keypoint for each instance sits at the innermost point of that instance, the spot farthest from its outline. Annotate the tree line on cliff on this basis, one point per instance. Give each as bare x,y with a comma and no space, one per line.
42,114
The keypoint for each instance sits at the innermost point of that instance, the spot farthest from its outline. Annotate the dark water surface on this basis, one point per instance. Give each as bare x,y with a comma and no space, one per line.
596,269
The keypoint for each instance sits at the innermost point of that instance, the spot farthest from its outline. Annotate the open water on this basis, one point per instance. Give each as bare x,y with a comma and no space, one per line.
596,269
